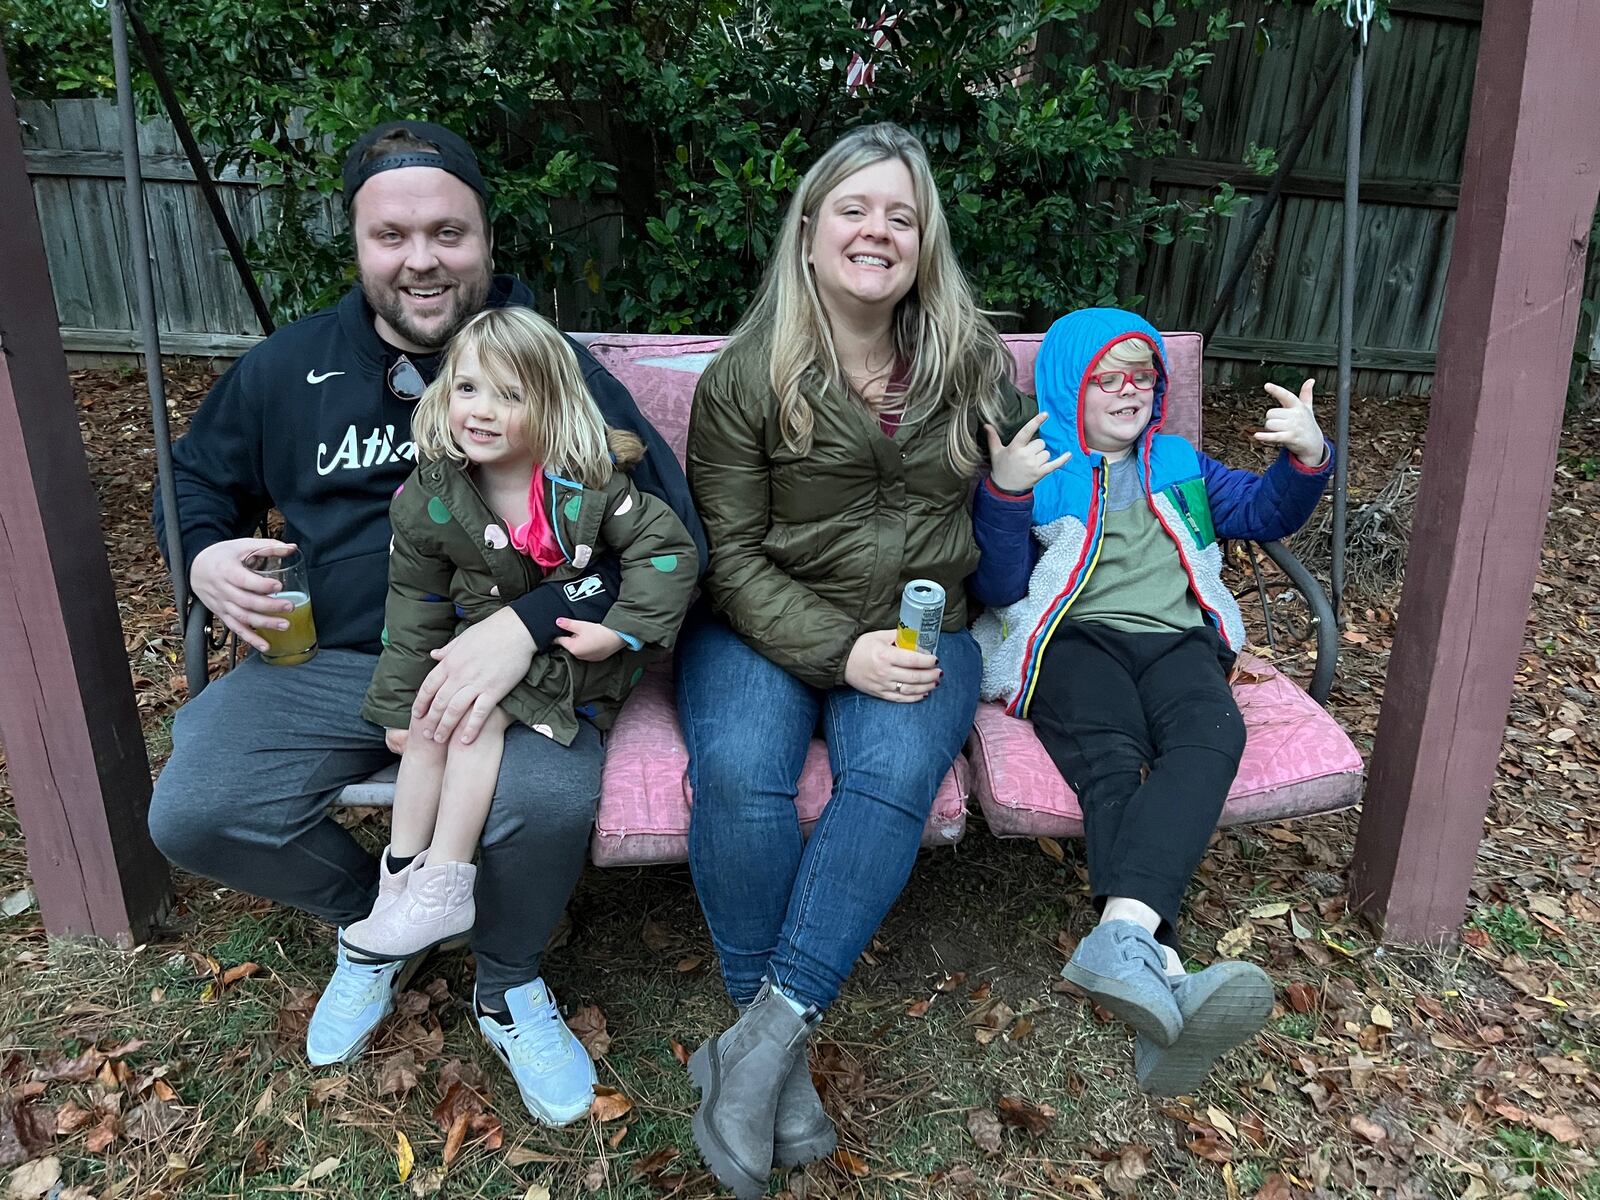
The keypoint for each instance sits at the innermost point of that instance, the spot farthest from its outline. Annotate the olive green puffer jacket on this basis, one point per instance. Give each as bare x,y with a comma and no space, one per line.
808,552
451,564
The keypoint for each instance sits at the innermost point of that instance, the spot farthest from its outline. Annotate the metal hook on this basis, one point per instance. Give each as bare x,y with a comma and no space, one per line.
1358,13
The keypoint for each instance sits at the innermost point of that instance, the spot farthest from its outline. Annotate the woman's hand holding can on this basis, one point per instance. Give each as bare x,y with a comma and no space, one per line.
877,667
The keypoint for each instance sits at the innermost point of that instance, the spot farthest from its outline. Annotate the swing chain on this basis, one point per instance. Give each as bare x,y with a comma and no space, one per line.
1358,14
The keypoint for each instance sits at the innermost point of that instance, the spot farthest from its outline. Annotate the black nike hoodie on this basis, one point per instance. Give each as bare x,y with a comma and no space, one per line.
307,424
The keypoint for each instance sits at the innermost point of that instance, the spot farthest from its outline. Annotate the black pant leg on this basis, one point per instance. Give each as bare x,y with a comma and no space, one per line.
1087,714
1198,736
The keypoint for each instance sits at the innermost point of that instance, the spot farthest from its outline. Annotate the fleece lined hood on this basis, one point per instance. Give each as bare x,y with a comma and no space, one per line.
1070,350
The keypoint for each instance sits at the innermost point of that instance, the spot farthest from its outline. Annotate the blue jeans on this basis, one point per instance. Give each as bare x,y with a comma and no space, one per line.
801,911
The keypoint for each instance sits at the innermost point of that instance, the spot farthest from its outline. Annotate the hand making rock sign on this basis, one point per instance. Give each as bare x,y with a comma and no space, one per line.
1293,425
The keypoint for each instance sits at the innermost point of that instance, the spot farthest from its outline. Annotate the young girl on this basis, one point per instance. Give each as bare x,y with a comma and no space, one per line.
516,483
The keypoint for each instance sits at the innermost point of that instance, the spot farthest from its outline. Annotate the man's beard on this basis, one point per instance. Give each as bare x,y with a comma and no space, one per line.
465,301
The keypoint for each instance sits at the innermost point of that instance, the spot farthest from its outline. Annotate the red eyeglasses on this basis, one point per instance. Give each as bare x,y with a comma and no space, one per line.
1143,378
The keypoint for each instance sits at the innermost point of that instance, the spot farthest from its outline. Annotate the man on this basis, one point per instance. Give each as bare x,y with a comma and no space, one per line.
315,421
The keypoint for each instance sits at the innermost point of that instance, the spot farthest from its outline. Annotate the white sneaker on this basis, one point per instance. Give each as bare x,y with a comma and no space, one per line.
551,1068
357,998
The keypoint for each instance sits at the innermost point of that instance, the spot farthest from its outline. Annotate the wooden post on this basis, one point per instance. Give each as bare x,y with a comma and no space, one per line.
1528,195
74,749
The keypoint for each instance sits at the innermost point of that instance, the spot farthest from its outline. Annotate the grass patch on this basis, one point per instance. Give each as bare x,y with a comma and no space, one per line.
1508,927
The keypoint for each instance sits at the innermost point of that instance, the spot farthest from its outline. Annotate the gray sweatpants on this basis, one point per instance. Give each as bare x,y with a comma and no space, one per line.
257,757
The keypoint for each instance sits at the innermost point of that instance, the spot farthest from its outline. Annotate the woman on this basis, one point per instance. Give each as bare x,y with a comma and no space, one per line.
832,452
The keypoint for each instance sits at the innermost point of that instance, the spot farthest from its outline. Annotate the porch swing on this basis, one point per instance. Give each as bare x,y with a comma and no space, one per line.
1298,761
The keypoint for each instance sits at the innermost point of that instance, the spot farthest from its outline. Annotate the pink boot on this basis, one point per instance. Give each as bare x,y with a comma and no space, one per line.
435,906
392,884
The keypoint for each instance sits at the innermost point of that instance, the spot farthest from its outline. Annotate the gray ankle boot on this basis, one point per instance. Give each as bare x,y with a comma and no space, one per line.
802,1132
741,1074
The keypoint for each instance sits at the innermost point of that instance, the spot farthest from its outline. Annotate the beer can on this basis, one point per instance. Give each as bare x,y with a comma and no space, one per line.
921,616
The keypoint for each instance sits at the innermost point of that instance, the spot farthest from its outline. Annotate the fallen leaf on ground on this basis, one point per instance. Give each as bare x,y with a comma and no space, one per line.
427,1183
103,1134
1275,1187
398,1074
153,1119
323,1090
71,1117
654,1163
321,1171
81,1069
1554,1064
1236,941
609,1104
588,1025
984,1127
1302,997
467,1074
1122,1174
26,1131
992,1019
1368,1130
1025,1114
454,1137
32,1181
404,1157
851,1164
1210,1148
1561,1127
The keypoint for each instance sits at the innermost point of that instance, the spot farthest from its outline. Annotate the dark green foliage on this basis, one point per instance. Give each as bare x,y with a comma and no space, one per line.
691,119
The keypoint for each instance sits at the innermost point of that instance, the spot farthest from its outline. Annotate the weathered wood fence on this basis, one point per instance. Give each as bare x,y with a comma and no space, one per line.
1418,95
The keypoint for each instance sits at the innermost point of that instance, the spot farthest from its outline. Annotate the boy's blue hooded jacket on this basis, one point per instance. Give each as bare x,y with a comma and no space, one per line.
1030,584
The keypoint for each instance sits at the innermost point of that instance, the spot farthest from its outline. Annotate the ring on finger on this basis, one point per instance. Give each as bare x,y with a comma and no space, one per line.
899,687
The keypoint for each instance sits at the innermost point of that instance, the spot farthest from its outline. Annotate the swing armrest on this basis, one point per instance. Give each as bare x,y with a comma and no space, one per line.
197,647
1322,618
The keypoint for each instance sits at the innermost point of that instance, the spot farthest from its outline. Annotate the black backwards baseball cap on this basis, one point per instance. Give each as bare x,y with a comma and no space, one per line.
453,155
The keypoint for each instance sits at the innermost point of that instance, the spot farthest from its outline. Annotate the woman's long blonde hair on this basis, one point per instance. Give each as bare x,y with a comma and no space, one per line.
522,352
954,352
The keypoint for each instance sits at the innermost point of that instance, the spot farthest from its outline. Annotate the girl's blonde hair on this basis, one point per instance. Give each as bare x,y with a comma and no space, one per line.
519,351
955,354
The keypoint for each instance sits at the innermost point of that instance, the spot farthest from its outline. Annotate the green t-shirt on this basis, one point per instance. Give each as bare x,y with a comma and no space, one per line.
1138,583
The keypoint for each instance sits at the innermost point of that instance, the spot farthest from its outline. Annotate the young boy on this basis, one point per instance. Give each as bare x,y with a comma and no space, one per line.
1112,630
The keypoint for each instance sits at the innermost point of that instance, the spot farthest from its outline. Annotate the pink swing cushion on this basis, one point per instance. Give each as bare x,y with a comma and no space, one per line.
1297,760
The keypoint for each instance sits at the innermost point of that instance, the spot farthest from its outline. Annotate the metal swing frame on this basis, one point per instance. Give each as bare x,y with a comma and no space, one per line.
199,639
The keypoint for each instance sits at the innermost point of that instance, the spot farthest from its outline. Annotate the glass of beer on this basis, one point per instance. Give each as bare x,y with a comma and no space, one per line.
298,643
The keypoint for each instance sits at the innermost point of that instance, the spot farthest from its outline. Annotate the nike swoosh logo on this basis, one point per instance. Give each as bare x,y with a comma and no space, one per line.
313,377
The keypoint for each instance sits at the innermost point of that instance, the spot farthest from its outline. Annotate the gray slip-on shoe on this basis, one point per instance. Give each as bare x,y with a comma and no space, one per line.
1122,967
1223,1006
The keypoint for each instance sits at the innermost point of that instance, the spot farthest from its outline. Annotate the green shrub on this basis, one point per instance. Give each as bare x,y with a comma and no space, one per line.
691,120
